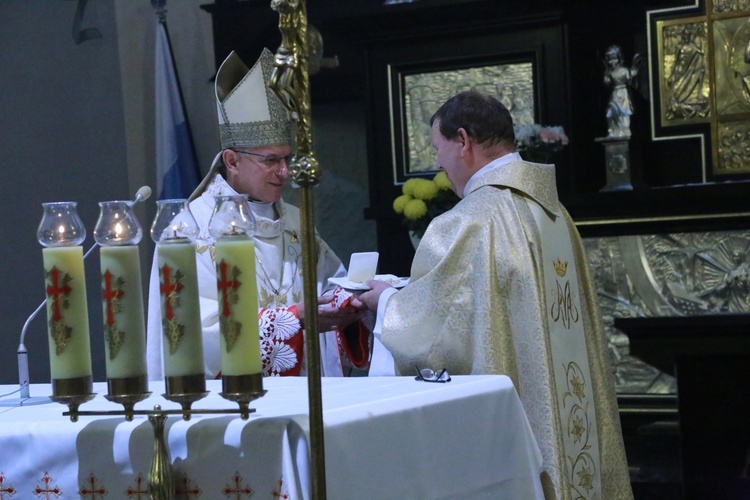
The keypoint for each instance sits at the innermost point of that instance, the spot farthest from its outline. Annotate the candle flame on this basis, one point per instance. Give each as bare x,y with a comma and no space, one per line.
118,230
61,229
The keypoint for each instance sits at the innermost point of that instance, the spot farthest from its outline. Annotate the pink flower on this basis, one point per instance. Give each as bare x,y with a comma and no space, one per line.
550,135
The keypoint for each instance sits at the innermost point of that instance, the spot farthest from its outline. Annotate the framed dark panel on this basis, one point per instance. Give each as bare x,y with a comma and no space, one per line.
417,91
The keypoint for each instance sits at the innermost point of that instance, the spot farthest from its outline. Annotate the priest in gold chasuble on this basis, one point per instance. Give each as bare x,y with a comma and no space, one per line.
500,285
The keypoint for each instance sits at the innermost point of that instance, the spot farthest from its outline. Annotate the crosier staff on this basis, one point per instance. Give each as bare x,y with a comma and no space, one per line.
290,82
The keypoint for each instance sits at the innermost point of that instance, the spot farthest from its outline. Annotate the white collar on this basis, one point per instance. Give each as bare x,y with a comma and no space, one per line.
497,162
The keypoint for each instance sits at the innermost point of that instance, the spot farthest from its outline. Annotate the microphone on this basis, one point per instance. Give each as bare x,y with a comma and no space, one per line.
143,194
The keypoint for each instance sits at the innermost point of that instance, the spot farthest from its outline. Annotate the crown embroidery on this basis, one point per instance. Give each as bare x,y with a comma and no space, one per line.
561,268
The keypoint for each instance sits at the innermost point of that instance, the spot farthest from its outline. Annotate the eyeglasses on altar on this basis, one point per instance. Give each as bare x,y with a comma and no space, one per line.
427,375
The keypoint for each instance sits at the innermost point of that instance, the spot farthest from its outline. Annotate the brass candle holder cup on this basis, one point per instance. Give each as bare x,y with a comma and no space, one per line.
242,389
73,392
127,391
185,390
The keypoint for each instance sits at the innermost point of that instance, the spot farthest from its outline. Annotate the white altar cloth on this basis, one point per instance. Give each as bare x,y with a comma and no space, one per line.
385,437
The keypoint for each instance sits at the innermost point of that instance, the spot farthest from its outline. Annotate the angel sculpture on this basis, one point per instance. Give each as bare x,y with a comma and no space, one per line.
621,80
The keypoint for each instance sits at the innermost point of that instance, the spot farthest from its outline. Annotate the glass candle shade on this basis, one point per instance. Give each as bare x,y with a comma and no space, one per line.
174,231
61,232
232,226
119,232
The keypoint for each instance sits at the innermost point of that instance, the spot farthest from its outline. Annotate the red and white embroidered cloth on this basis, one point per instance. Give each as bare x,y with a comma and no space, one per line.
385,437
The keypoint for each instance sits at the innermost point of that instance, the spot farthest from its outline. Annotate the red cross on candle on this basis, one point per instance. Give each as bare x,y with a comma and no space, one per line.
55,290
225,285
110,294
167,289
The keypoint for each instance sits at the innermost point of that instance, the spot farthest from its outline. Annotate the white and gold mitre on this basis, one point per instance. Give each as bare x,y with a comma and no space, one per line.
250,114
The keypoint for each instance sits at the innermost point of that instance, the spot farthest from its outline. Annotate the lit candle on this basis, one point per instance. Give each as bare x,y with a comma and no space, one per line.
61,231
67,313
122,305
181,322
238,305
119,232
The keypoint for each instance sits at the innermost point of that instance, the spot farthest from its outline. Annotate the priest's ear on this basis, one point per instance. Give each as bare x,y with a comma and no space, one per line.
464,139
231,160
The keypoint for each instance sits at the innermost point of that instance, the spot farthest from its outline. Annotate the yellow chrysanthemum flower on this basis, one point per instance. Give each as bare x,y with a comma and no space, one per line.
442,181
408,187
415,209
425,189
400,202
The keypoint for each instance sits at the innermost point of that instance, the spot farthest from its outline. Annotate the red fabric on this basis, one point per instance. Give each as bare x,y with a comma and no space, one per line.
355,343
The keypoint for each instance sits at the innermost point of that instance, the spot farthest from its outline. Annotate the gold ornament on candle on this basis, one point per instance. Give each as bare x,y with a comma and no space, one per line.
174,231
61,232
118,232
232,226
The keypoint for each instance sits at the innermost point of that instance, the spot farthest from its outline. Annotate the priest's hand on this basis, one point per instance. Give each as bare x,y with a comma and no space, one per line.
369,299
330,317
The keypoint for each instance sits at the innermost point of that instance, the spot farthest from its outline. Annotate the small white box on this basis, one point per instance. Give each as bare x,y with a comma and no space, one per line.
362,266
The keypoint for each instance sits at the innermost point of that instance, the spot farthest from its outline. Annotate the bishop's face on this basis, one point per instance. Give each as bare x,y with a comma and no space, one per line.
261,172
450,158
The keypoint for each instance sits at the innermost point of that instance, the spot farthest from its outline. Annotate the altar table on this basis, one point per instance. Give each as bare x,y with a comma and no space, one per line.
385,437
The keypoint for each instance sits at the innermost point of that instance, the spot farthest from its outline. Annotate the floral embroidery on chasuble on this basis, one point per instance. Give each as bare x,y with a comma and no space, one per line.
573,382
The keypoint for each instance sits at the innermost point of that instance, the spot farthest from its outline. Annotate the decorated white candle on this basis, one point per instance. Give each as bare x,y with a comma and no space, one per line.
119,232
122,306
238,305
61,231
181,322
174,230
67,312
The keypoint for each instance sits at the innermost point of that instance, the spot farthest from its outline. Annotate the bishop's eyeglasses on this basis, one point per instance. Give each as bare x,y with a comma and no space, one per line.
427,375
271,162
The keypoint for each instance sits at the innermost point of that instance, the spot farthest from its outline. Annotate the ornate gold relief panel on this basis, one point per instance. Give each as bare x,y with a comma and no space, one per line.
703,64
684,76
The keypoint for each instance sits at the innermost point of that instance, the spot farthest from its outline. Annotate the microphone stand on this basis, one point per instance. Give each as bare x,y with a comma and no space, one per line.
25,398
